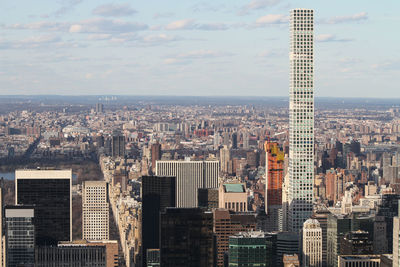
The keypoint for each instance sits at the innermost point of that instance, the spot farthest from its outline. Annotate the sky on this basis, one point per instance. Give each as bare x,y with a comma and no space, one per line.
190,47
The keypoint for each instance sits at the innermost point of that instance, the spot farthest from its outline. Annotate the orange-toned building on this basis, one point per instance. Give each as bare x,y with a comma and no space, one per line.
228,223
273,184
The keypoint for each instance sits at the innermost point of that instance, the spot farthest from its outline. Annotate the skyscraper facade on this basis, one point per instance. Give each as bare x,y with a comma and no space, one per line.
208,198
233,196
20,236
190,176
396,241
301,118
79,253
227,223
312,244
50,192
248,249
224,157
273,185
118,144
95,211
321,215
155,154
186,237
158,193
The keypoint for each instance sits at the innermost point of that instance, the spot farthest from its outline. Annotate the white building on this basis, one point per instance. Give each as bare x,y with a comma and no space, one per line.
95,211
301,118
190,176
312,244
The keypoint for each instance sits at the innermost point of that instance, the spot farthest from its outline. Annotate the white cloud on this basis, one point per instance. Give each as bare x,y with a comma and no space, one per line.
114,10
99,36
324,37
184,24
89,76
272,19
203,53
93,25
40,25
75,28
172,61
270,53
159,38
190,24
343,19
163,15
257,5
101,25
212,27
37,42
185,58
330,38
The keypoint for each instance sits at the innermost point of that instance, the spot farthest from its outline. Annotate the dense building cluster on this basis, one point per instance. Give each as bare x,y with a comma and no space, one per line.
207,184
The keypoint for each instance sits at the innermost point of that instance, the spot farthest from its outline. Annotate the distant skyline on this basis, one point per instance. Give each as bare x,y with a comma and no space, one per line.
205,48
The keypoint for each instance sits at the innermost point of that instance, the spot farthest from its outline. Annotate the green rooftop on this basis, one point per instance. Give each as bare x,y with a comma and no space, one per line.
234,188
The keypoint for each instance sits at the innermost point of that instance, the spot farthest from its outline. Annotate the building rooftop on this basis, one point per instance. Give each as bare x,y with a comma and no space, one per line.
234,188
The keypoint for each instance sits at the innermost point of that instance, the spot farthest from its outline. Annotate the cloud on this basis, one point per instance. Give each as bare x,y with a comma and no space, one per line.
37,41
134,39
272,19
101,25
40,25
99,36
207,7
270,53
175,61
184,58
257,5
68,6
163,15
89,76
190,24
212,27
330,38
75,28
388,65
185,24
114,10
204,54
349,61
94,25
343,19
159,38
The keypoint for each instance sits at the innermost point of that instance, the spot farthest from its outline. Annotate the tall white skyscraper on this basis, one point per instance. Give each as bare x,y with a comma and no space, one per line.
190,176
301,118
312,244
95,211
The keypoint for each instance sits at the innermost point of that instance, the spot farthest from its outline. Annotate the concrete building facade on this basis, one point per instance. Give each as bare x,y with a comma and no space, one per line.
95,211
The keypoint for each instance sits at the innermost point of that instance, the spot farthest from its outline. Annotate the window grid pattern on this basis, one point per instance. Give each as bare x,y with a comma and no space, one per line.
301,118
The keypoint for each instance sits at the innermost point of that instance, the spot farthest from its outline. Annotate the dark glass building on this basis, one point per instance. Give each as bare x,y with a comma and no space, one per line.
356,243
118,144
49,191
248,249
339,226
208,198
158,193
389,209
20,236
186,237
71,255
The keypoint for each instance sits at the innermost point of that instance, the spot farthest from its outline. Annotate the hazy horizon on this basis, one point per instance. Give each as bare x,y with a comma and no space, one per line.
194,47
